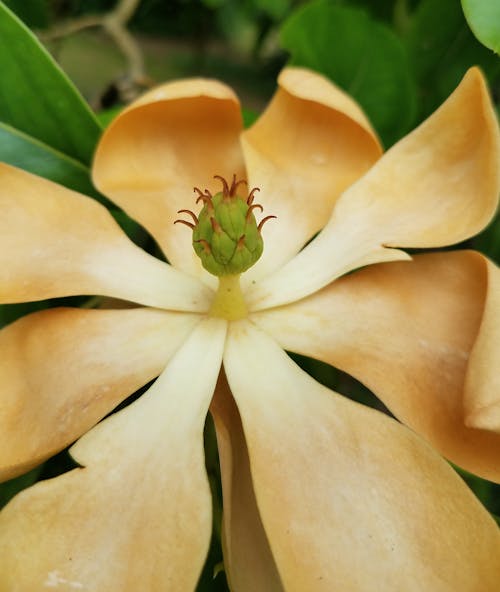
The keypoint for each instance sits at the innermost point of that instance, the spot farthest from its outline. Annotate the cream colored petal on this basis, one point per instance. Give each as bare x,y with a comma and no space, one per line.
137,516
350,498
55,242
248,561
154,153
62,370
311,143
438,186
423,336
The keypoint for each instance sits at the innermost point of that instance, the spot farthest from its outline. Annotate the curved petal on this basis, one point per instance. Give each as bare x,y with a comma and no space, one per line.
348,496
437,186
174,138
248,561
137,516
62,370
55,242
423,336
310,144
482,384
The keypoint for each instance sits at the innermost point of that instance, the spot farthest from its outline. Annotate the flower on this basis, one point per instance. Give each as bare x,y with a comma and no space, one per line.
320,493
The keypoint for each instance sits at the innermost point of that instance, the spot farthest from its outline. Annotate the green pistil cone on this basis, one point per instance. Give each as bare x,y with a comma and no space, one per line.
226,238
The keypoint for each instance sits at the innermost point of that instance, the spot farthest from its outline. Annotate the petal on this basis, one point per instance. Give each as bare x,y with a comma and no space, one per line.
55,242
482,385
348,496
137,516
311,143
248,561
423,336
62,370
437,186
174,138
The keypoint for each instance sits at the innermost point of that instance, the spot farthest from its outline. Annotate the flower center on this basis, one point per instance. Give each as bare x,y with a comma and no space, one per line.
228,240
226,236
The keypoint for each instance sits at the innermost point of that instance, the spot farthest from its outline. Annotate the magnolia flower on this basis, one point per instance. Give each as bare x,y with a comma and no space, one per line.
320,493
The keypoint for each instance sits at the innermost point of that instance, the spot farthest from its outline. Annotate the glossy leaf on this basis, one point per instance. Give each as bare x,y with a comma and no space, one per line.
362,56
25,152
483,17
441,48
37,98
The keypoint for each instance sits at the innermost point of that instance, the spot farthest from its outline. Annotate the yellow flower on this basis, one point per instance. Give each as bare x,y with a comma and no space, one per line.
320,493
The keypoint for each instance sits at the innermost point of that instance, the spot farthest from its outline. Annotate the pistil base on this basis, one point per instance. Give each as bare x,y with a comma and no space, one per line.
229,303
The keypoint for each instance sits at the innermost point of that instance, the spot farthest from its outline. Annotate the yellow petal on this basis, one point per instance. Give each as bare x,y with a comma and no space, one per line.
55,242
62,370
311,143
482,385
423,336
137,516
174,138
248,561
348,496
438,186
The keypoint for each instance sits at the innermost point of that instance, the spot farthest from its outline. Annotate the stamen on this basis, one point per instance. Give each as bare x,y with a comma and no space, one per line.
190,224
199,191
235,184
206,198
192,214
225,188
252,207
263,221
251,195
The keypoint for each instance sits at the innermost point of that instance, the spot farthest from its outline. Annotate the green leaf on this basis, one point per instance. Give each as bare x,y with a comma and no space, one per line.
489,240
34,13
483,17
10,488
441,48
249,116
275,9
37,98
362,56
27,153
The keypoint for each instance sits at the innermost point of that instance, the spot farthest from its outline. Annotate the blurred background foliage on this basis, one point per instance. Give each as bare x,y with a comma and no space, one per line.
399,58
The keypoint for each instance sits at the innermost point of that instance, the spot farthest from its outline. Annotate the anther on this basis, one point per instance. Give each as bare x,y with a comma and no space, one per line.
263,221
251,195
252,207
192,214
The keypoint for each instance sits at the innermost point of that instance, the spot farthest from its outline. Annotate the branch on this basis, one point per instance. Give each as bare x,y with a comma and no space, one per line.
114,23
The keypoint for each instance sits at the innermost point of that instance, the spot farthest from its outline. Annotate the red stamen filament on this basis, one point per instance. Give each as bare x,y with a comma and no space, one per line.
263,221
252,207
225,188
190,224
235,184
192,214
251,195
